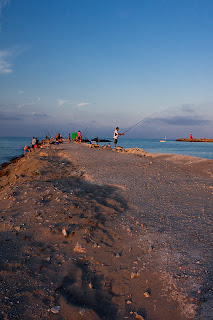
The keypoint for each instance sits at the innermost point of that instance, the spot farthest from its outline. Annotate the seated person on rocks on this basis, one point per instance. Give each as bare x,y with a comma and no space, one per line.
59,138
27,148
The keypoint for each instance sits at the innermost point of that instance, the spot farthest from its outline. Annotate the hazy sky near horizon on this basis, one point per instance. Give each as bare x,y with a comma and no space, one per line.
66,63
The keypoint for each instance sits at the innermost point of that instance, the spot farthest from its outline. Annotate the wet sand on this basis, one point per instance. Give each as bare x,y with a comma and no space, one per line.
102,234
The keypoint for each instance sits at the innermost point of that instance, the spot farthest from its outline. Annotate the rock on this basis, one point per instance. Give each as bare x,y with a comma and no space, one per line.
55,309
107,146
82,312
90,285
137,151
134,275
65,233
146,294
96,245
138,316
79,248
42,154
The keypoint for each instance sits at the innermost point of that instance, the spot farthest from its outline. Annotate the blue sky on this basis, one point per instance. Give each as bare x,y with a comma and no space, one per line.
66,63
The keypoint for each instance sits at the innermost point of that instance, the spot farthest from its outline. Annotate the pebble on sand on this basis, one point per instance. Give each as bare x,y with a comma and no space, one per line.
65,233
138,316
79,248
82,312
55,309
146,294
134,275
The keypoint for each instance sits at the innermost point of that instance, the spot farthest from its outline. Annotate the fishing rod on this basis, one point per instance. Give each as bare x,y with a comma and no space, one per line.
88,128
140,121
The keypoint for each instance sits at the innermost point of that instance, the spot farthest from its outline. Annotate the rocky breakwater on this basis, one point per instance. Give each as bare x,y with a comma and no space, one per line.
194,140
62,254
72,247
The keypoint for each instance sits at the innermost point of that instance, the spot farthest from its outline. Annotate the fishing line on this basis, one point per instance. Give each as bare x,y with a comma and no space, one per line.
140,121
87,129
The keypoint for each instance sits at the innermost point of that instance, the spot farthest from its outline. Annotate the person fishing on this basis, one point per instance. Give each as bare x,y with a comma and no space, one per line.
79,136
116,134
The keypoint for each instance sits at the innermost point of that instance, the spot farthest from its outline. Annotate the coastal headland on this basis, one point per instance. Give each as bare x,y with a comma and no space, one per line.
93,233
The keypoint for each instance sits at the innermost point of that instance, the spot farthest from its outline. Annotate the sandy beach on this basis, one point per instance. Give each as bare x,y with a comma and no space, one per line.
92,233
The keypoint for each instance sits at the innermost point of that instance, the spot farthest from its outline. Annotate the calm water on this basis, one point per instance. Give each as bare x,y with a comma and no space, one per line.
12,147
196,149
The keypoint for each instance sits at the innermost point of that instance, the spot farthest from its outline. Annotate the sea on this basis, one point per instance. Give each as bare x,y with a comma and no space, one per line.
11,147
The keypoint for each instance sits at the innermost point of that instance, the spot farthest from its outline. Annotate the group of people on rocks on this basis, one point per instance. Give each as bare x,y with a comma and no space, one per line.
78,138
115,136
34,145
59,139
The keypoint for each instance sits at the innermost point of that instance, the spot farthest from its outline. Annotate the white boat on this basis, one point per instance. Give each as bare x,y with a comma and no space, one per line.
163,140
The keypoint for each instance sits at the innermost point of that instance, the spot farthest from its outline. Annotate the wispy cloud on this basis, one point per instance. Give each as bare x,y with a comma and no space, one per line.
83,104
188,108
8,116
7,55
5,66
3,3
30,103
184,115
40,115
20,92
13,115
193,120
61,102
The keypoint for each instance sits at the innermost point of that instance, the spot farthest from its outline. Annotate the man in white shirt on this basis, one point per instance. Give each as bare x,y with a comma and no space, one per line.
33,142
115,137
